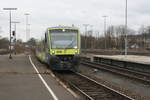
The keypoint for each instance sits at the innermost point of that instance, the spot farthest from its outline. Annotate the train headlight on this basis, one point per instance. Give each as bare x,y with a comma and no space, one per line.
53,52
76,52
63,30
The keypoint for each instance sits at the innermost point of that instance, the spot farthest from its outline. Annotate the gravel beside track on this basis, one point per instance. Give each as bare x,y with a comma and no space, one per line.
90,88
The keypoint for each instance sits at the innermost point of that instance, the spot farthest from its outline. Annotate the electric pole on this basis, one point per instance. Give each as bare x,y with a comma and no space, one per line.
86,32
27,34
10,9
105,45
126,28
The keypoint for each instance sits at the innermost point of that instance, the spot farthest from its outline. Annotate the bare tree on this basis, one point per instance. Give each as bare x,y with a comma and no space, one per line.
4,43
110,37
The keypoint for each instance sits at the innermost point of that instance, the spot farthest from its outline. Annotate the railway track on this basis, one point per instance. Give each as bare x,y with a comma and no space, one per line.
138,76
89,88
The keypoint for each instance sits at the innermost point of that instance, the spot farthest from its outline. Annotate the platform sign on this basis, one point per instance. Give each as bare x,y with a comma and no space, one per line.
13,40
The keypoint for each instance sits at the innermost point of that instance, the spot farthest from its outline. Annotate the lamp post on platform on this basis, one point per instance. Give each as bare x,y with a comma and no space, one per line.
105,30
27,14
126,28
29,30
10,9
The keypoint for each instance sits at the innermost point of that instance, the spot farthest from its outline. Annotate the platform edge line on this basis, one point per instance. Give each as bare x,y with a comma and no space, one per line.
44,82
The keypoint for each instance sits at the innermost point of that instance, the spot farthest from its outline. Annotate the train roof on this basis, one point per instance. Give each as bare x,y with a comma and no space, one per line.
61,27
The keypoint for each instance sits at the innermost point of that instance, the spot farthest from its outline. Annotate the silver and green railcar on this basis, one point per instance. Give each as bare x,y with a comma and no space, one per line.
61,48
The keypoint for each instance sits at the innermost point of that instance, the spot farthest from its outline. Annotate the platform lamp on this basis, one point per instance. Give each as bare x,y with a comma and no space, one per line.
105,30
27,14
29,31
126,28
10,9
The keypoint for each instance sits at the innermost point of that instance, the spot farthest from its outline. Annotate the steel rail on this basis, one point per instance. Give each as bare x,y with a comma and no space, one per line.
90,88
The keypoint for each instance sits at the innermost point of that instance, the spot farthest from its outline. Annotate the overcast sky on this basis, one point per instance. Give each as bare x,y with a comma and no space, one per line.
47,13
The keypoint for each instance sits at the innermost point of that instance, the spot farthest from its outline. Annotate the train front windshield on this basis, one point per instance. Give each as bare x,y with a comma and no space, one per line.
64,39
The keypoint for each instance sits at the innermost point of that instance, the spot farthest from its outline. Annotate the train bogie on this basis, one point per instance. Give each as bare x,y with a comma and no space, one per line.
65,62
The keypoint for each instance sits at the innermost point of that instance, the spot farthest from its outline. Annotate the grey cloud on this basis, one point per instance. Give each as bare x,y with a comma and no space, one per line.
45,13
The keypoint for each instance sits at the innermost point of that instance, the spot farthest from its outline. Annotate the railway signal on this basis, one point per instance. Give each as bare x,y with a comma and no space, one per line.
10,9
13,36
13,33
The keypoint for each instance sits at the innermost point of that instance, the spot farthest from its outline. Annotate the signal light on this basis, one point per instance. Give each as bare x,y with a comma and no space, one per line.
13,33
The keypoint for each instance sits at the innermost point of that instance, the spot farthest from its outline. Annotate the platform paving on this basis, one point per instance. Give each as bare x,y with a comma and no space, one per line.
19,81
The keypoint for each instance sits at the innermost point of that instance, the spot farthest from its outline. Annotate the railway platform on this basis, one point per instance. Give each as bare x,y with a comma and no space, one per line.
134,62
128,58
24,78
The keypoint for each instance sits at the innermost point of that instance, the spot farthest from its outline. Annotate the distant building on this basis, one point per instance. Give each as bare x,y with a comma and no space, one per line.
135,46
147,30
